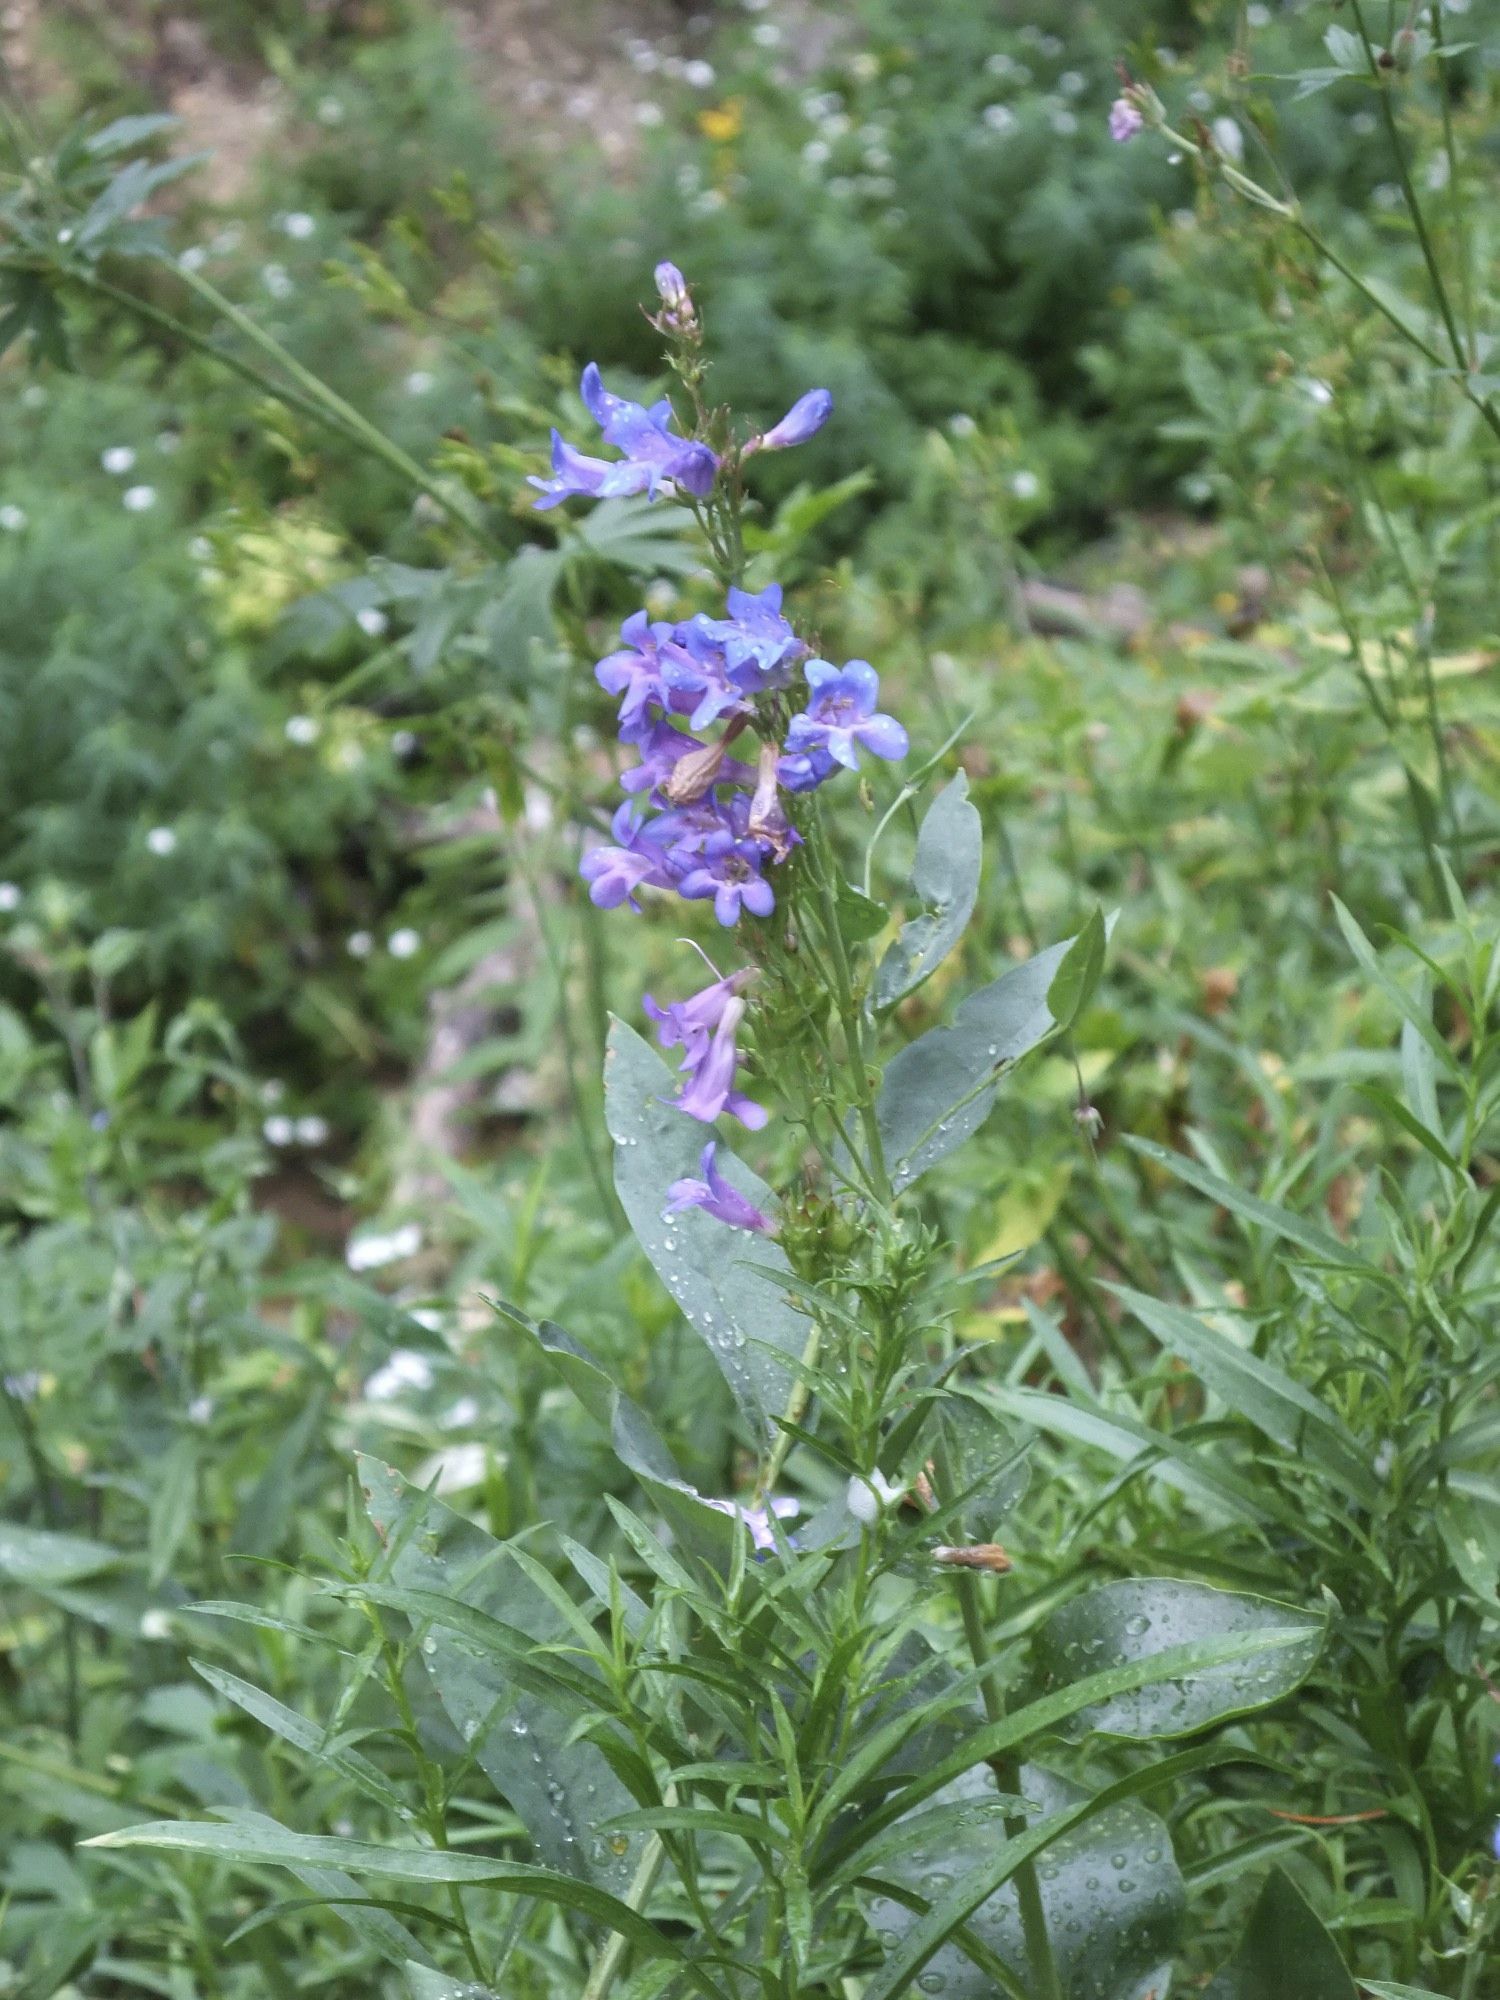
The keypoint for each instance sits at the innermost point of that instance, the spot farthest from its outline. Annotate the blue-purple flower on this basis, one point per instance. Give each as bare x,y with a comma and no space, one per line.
1125,120
842,715
710,1072
728,869
615,873
653,453
755,646
758,1519
712,1193
803,420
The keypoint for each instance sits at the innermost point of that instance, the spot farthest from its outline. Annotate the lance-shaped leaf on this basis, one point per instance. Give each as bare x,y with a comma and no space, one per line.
260,1842
561,1789
945,878
1111,1890
1285,1954
40,1557
717,1275
1138,1617
939,1089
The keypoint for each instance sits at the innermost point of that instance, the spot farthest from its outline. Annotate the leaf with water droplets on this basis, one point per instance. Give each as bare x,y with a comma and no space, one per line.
560,1787
1111,1890
945,877
939,1089
1138,1617
720,1277
1285,1954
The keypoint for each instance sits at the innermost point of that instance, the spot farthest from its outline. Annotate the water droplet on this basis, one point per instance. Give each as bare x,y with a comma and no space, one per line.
931,1982
1137,1625
429,1645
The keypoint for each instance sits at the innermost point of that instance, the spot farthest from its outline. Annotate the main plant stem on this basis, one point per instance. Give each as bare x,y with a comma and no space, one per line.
1045,1981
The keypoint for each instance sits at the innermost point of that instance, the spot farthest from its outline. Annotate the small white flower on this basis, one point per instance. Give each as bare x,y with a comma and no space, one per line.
162,841
405,943
10,898
1364,123
278,281
200,1409
272,1090
766,35
155,1625
372,621
661,595
312,1130
865,66
463,1413
1229,139
138,498
427,1317
1201,99
1025,484
404,1369
1072,83
200,548
298,225
418,382
33,396
1000,64
999,117
330,111
193,258
369,1253
644,60
962,425
1258,16
403,742
458,1468
648,116
1062,121
865,1497
708,203
12,518
1317,391
837,125
581,103
278,1130
168,441
816,153
359,944
699,74
118,459
302,729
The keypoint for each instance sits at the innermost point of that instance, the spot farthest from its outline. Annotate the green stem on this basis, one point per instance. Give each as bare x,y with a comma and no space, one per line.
1045,1981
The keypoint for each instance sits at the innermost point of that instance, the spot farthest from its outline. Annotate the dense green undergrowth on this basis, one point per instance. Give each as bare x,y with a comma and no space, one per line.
1167,512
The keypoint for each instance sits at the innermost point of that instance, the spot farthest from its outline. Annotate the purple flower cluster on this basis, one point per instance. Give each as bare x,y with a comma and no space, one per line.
696,819
656,458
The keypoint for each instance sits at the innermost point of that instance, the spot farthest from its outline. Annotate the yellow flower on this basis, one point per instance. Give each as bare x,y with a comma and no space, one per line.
723,122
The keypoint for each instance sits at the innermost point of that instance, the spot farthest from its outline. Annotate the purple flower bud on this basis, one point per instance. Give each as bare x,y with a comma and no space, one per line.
713,1194
803,420
671,286
1125,120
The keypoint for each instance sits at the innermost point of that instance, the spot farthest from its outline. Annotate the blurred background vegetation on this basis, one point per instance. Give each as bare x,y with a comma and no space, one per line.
299,1008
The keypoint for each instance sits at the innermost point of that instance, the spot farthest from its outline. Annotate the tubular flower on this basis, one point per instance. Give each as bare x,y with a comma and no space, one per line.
802,421
653,453
713,1194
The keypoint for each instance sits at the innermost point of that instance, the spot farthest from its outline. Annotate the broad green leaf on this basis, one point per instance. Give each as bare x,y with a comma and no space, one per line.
1285,1954
956,1906
1111,1890
1260,1393
990,1468
40,1557
939,1089
259,1844
1073,984
716,1274
648,540
860,917
945,878
522,1739
1136,1617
